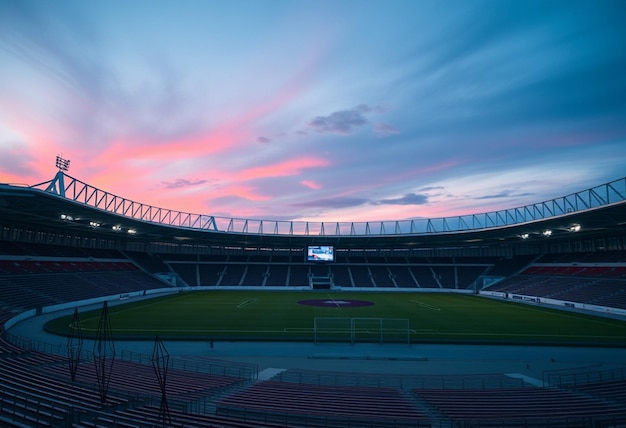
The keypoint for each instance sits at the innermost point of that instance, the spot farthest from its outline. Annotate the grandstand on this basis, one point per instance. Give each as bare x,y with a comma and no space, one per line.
66,245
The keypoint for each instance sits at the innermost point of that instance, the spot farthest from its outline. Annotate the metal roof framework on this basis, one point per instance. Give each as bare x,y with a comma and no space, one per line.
77,191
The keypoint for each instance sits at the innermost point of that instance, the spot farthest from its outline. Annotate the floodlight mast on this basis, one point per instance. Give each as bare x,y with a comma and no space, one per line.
57,185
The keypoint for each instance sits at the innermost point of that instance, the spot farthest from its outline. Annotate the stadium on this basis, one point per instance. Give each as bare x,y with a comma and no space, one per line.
117,313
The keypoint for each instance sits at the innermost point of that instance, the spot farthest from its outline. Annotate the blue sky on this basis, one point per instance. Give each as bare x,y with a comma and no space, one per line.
328,110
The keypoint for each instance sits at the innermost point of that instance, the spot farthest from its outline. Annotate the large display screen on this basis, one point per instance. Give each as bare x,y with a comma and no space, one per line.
320,253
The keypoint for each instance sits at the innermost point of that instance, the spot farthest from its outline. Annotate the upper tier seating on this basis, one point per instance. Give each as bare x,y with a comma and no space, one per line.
347,271
597,279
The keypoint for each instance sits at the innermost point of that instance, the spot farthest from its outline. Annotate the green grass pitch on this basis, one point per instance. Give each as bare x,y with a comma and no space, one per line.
269,315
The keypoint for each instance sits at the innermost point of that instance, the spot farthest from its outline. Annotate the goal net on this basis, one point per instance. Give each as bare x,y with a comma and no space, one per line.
357,330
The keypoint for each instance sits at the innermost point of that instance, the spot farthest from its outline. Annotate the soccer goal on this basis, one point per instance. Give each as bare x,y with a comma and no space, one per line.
361,330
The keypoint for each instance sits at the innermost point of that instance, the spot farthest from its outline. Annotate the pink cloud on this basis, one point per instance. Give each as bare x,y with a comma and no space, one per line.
311,184
244,192
283,169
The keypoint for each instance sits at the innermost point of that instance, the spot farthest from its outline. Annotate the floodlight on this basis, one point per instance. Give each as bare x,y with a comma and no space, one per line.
524,235
574,228
62,164
94,224
117,228
132,231
547,232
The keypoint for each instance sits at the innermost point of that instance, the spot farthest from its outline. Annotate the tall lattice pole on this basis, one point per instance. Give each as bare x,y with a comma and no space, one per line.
160,362
74,344
104,352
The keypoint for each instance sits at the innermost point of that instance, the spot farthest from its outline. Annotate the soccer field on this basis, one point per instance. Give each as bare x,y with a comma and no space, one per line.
291,315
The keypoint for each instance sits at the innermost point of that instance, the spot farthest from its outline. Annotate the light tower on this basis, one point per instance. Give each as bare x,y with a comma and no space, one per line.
62,164
57,184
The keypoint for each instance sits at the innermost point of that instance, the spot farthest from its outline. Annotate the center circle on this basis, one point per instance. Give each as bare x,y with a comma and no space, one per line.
339,303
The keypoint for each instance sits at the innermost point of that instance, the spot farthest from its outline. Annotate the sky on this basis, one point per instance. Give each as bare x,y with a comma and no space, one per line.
342,110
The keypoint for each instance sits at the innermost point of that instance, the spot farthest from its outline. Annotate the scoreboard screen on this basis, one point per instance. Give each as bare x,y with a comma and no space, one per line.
320,253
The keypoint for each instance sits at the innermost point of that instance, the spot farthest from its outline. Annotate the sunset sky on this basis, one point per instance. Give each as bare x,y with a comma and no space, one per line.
341,110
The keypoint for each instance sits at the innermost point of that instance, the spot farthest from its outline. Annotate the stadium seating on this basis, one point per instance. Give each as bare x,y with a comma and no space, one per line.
36,390
572,278
347,271
140,378
254,274
31,286
298,275
277,275
148,416
515,404
321,401
36,399
342,276
382,276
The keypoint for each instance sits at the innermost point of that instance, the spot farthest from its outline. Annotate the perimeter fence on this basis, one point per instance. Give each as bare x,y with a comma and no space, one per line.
573,378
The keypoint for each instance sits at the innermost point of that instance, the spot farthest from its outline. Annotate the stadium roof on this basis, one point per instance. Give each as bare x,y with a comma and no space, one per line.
65,203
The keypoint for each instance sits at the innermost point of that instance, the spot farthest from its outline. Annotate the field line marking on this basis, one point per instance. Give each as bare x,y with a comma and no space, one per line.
177,330
309,329
524,334
426,305
333,300
130,307
247,302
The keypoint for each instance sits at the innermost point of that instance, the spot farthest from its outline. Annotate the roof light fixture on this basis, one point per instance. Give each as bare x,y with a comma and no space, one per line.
62,164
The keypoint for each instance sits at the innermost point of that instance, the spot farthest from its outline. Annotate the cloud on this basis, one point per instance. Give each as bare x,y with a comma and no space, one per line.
408,199
334,203
429,188
228,195
282,169
348,202
14,160
182,182
95,103
504,194
311,184
342,121
381,128
477,97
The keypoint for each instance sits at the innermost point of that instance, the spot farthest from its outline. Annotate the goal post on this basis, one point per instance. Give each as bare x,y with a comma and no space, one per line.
361,330
332,329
